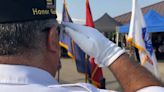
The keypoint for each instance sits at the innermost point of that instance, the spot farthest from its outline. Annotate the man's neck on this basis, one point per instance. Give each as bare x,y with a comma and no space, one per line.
26,60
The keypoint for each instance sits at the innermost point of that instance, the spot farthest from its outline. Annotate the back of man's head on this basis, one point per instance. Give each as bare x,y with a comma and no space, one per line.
23,37
28,33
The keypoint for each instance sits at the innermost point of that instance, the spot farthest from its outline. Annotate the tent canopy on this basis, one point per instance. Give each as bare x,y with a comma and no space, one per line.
154,23
106,24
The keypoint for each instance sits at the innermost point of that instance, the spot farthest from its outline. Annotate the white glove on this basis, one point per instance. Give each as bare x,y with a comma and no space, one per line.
94,44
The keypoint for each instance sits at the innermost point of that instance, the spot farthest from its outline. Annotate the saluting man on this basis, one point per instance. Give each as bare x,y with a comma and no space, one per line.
29,52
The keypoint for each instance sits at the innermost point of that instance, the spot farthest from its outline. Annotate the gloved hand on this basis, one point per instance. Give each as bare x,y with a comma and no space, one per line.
94,43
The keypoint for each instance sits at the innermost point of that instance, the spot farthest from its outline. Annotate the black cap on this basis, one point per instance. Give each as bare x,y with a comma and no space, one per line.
26,10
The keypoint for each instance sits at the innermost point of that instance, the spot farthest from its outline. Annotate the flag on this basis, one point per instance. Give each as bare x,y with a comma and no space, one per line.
73,50
140,38
96,72
65,40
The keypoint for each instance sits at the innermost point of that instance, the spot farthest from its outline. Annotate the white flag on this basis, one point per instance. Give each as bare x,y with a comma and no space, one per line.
140,38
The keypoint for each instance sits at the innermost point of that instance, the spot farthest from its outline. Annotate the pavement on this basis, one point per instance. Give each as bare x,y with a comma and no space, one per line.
69,74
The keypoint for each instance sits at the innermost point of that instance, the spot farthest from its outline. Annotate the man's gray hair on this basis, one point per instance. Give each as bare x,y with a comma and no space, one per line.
17,38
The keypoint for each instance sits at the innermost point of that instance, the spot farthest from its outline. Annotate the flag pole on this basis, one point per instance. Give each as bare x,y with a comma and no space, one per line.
58,71
59,75
117,35
86,63
86,68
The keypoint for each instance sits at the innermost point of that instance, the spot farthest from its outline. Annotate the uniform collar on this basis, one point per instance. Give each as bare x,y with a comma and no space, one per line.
22,75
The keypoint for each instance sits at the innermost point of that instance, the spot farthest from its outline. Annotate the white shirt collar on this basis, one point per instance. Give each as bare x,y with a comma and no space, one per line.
21,75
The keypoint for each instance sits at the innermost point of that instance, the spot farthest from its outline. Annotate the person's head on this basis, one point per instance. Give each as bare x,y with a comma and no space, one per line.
34,43
28,34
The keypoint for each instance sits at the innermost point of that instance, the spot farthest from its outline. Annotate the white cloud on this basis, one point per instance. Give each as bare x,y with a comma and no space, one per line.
75,20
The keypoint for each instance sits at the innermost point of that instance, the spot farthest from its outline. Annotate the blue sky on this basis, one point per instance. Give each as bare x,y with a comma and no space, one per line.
114,8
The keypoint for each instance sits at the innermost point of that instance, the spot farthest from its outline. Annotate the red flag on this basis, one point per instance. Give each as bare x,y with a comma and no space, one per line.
96,72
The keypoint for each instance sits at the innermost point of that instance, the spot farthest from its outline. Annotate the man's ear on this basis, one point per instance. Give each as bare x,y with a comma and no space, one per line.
53,42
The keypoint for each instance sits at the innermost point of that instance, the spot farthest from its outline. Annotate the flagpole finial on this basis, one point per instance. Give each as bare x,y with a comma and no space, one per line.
64,2
87,1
